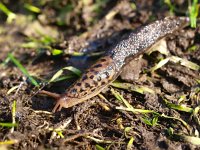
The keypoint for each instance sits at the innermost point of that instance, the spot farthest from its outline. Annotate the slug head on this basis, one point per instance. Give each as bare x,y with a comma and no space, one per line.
61,102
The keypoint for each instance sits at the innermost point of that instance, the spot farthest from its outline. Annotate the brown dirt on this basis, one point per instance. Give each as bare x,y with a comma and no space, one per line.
90,120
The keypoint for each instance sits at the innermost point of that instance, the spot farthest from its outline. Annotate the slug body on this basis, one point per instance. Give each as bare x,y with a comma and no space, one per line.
108,67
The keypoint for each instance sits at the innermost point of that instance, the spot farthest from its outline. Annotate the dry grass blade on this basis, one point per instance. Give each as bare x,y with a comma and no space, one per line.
160,64
121,98
183,122
185,63
136,111
133,88
9,142
190,139
12,89
13,115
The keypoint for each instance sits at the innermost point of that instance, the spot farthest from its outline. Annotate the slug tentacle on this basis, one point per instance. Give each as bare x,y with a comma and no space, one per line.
59,104
107,68
54,95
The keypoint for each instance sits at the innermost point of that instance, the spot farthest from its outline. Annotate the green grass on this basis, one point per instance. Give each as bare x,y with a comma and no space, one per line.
10,15
150,121
193,9
32,8
57,76
98,147
178,107
23,70
132,88
8,125
170,5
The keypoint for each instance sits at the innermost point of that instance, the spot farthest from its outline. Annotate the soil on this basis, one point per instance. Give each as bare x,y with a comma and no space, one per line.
97,123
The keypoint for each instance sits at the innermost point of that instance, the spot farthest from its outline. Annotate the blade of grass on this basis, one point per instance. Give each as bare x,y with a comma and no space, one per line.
176,59
155,121
75,53
185,63
178,107
63,78
12,89
13,115
193,13
149,121
160,64
121,98
146,121
195,115
98,147
32,8
59,130
130,143
103,105
10,14
60,134
99,140
131,87
119,123
56,77
9,125
126,131
137,111
56,52
31,44
9,142
74,70
183,122
190,139
171,7
23,70
196,110
193,48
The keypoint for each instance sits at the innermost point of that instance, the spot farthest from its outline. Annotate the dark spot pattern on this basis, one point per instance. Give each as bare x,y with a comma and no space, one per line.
98,65
92,76
103,83
84,77
81,90
95,83
87,85
102,59
92,90
84,92
78,84
73,90
92,70
95,78
96,72
109,66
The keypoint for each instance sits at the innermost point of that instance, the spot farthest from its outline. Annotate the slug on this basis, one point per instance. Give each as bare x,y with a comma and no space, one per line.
108,67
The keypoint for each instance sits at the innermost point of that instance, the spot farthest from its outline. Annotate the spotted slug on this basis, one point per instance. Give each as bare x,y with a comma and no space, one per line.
108,67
